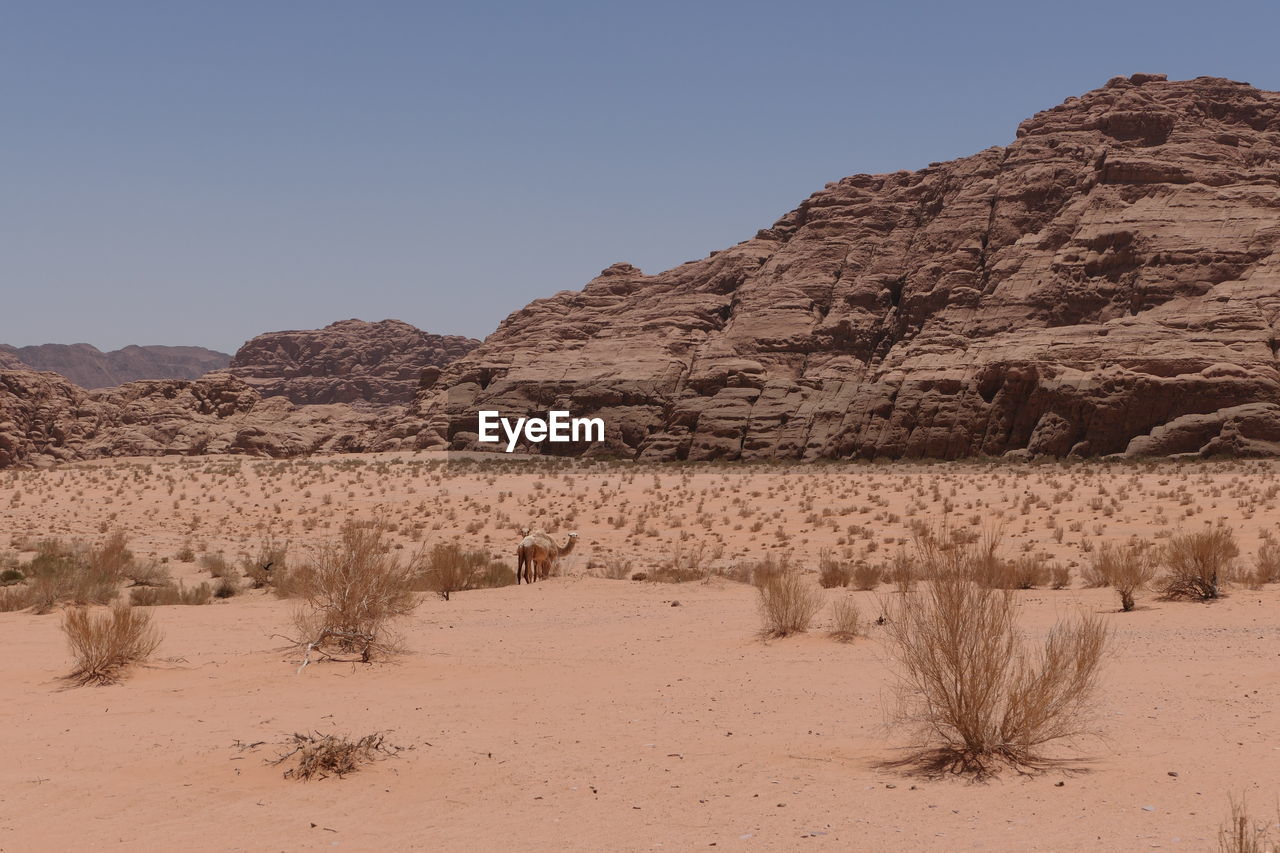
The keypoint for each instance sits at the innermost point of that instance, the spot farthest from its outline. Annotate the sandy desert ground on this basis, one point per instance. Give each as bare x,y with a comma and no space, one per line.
588,712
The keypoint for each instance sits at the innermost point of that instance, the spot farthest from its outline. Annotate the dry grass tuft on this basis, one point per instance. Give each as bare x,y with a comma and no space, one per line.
143,596
321,756
832,572
846,621
1243,834
787,604
979,697
105,643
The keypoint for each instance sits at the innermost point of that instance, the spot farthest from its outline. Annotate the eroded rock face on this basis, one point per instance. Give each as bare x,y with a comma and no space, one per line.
1083,290
346,362
90,367
44,419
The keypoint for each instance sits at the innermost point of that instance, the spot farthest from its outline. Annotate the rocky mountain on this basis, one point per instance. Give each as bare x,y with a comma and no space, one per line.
347,362
90,367
44,419
1108,282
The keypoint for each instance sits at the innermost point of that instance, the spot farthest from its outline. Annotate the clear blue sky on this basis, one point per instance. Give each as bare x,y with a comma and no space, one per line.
180,172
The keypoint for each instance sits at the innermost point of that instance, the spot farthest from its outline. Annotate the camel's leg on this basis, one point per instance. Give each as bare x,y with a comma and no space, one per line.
520,561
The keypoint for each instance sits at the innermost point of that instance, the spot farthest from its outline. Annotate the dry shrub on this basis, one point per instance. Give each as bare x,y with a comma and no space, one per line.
902,571
1059,576
1243,834
832,572
144,596
1198,563
686,563
105,643
978,695
216,565
865,576
846,622
451,569
763,570
321,756
15,598
1125,568
787,604
350,591
270,562
65,574
1266,565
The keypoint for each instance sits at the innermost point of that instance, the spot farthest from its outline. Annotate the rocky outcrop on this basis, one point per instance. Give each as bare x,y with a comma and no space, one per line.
1108,282
347,362
44,419
90,367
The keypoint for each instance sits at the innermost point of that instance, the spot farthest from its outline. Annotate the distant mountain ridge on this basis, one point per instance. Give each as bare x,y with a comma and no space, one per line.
350,361
90,367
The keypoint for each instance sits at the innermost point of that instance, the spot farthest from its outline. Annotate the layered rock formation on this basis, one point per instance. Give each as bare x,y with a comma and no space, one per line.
44,418
347,362
90,367
1108,282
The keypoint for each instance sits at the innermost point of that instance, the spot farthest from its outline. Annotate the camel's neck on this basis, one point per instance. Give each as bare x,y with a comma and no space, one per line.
568,546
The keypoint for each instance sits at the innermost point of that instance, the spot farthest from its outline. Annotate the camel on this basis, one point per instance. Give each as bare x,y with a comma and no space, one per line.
537,554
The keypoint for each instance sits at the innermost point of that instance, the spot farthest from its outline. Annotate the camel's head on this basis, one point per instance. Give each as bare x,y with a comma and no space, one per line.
573,536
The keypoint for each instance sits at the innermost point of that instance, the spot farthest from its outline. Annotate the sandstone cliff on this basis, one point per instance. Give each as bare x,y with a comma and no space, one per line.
90,367
346,362
1107,282
44,418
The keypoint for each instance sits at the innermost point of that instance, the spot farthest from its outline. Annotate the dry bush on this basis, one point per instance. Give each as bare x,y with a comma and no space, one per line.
686,563
216,565
1266,565
832,572
763,570
846,622
320,756
145,596
1198,563
1059,576
66,573
1125,568
450,569
902,571
270,562
105,643
865,576
15,598
350,591
978,695
1243,834
787,604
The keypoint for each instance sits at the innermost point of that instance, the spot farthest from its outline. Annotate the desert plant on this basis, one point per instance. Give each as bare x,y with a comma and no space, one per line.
216,565
270,562
846,621
15,598
148,596
1266,563
103,644
787,604
832,572
979,696
865,576
351,590
320,756
450,568
1125,568
1059,576
1243,834
1198,563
